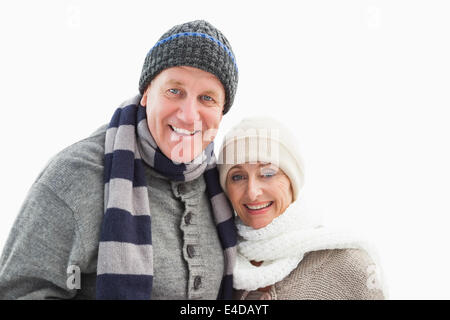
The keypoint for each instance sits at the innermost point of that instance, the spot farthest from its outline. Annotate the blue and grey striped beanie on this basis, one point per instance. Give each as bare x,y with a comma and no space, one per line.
197,44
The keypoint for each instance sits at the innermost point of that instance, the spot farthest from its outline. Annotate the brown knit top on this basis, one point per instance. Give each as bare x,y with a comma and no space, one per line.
339,274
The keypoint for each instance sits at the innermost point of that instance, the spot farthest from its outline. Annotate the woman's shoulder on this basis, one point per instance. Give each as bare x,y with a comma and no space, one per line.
332,274
354,259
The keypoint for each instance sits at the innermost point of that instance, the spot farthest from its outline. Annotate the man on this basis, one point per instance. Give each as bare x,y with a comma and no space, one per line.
135,211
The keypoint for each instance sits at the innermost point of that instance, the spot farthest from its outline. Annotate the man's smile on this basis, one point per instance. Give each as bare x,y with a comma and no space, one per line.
182,131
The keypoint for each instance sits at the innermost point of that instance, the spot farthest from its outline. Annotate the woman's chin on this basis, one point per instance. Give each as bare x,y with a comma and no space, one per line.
259,224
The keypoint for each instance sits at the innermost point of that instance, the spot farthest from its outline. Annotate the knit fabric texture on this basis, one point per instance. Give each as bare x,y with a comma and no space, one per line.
125,256
63,212
282,244
197,44
341,274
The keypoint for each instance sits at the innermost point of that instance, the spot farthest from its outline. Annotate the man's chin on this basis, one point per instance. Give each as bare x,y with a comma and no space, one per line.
183,157
185,152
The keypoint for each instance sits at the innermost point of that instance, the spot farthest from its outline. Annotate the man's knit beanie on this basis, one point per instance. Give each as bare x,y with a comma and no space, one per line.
197,44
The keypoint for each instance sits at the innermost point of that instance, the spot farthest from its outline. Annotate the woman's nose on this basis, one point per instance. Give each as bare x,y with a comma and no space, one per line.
253,189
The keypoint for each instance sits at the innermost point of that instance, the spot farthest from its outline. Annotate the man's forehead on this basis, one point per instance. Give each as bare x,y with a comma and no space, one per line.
172,81
182,79
181,74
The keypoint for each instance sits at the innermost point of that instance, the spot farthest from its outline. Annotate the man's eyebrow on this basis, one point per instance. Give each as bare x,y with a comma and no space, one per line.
174,82
212,93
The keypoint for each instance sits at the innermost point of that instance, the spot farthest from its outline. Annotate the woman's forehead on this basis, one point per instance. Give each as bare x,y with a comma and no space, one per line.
254,165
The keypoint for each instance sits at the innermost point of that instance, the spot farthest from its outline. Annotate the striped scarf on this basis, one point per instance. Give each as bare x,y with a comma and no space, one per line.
125,255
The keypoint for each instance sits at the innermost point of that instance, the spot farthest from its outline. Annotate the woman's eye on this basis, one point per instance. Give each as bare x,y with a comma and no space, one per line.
236,177
268,174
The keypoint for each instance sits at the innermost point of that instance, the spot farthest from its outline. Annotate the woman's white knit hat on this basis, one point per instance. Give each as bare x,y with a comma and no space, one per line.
262,139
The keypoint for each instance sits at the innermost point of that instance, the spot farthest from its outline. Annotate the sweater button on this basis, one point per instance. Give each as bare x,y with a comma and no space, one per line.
190,250
197,282
188,218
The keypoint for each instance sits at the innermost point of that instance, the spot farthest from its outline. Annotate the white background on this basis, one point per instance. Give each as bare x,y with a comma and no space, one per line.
363,84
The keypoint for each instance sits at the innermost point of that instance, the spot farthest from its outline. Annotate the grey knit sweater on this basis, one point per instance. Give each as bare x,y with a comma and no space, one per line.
59,226
340,274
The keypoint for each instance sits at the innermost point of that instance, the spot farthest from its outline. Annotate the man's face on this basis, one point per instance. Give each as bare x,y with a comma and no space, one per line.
184,110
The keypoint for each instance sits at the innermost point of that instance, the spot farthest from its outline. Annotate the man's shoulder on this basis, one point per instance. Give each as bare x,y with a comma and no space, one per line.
90,149
78,166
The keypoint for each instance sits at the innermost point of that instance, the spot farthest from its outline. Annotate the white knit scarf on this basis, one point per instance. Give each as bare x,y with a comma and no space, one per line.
282,245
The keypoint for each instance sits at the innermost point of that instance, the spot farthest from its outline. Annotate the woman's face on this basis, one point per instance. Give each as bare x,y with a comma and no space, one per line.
259,192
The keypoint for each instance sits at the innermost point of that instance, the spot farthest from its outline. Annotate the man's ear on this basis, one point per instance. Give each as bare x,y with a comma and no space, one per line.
144,98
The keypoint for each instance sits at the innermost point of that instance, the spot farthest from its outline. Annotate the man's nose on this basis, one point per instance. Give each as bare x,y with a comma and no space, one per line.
253,189
188,112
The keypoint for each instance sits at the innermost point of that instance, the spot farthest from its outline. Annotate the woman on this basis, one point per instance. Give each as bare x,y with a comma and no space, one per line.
283,252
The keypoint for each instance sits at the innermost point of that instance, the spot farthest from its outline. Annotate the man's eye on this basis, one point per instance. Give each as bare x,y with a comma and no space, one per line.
207,98
174,91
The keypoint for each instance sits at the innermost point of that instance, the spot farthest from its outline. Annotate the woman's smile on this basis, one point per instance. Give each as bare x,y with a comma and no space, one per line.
259,207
